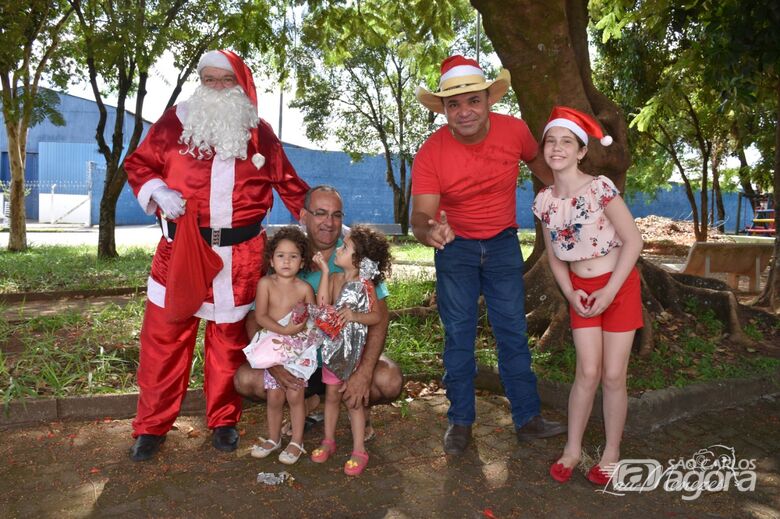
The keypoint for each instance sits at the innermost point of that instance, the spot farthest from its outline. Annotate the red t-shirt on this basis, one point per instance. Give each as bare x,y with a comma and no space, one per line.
476,182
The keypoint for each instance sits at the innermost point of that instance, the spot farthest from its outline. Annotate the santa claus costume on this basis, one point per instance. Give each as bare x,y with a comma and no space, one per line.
231,195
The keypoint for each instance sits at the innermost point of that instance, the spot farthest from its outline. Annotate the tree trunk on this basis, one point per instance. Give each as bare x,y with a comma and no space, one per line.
17,239
720,219
770,297
550,65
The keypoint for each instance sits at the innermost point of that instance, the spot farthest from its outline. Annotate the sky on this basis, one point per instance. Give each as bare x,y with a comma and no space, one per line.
160,85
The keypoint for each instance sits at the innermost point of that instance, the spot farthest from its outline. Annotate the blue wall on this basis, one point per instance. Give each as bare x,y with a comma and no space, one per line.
367,197
81,118
670,203
58,155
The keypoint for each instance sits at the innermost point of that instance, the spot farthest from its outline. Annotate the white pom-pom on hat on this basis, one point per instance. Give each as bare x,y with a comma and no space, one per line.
606,140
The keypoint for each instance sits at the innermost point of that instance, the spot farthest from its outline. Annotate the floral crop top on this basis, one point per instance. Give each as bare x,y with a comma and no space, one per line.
579,230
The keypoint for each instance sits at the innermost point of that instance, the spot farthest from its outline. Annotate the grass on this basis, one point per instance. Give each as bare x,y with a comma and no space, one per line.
692,355
59,267
96,351
414,252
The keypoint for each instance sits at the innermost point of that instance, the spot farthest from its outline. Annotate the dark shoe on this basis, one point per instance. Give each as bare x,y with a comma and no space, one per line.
538,427
146,446
225,438
456,439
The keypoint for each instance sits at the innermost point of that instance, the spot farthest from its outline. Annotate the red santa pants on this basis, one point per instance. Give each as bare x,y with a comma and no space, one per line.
164,370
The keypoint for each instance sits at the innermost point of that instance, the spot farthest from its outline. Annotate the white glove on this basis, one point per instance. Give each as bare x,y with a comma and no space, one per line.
170,202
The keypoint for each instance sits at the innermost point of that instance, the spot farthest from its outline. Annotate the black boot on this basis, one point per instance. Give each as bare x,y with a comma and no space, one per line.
146,446
225,438
538,427
456,439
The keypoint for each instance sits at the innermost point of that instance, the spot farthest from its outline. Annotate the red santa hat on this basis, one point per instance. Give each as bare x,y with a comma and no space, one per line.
580,124
229,60
461,75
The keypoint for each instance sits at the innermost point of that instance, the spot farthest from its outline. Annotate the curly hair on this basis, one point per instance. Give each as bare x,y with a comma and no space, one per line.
291,233
373,245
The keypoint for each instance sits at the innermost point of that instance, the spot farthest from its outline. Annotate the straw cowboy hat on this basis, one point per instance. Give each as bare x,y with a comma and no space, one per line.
460,75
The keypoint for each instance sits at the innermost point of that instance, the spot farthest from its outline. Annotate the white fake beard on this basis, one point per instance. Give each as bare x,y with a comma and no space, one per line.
218,120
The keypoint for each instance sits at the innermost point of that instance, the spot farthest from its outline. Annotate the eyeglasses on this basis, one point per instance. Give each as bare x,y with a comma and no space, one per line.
226,81
322,214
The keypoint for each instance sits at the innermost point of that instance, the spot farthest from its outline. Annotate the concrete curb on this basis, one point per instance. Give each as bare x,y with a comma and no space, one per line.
660,407
19,297
647,413
115,406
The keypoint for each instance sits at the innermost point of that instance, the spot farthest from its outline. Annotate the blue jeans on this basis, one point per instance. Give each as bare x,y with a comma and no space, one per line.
494,267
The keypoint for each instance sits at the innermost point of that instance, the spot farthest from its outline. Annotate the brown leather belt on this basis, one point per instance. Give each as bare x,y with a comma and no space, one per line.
223,237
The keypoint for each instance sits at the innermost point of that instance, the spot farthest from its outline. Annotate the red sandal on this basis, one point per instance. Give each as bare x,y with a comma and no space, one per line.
560,473
597,476
356,463
324,451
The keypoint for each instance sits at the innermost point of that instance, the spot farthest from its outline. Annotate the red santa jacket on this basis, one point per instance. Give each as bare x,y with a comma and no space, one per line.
230,193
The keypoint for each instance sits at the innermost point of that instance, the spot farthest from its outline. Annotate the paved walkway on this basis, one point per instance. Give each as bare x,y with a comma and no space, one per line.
81,469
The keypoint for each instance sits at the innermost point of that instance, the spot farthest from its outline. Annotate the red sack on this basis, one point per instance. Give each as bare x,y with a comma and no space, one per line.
192,268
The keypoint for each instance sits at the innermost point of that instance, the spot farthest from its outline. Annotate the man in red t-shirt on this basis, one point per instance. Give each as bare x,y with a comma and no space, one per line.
463,204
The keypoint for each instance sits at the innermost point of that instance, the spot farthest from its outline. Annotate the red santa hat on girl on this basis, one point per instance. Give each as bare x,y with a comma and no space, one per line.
229,60
580,124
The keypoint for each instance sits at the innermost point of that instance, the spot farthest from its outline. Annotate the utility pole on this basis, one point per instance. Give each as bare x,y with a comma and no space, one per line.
479,24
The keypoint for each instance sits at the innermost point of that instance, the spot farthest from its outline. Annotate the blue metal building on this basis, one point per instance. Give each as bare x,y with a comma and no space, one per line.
58,157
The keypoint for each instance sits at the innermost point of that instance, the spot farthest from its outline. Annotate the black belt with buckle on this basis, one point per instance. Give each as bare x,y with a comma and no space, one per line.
223,237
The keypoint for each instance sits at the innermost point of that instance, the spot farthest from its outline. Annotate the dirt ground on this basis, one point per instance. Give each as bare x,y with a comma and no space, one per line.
81,469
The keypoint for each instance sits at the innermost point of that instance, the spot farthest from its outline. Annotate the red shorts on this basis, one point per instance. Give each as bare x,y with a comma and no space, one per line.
625,312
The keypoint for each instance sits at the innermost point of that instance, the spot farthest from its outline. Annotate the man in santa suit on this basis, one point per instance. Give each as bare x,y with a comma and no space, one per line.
214,156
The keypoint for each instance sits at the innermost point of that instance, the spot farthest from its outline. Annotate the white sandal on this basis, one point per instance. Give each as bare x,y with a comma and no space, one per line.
287,458
258,451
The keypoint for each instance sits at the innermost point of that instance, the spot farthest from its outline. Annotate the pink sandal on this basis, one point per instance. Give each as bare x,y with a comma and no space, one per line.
355,465
324,451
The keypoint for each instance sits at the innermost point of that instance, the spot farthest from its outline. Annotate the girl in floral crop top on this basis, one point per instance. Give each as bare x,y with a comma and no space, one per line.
592,247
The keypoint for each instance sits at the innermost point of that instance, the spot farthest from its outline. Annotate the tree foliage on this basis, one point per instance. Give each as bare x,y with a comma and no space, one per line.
357,69
723,60
118,42
31,34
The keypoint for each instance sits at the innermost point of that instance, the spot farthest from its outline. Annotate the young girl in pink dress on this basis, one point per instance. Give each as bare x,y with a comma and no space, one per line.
365,260
287,339
592,246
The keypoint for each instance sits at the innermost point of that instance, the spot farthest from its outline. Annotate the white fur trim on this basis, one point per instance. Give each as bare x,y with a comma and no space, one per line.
568,124
258,160
459,71
155,292
156,295
182,111
214,58
231,315
144,197
224,302
223,179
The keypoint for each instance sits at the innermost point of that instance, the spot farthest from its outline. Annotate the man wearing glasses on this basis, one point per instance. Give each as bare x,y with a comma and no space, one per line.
211,154
377,379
